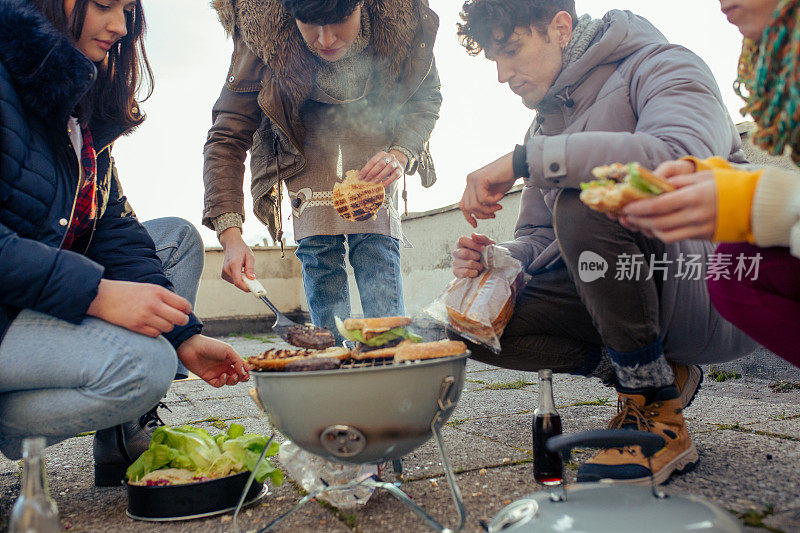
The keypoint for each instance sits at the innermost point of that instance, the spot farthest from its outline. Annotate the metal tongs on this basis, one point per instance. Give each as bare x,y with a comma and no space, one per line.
282,324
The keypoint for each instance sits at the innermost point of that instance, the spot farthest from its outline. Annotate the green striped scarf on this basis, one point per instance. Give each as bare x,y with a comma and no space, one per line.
769,70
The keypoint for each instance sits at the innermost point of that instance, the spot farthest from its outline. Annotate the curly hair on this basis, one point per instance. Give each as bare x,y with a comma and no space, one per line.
482,18
769,69
321,12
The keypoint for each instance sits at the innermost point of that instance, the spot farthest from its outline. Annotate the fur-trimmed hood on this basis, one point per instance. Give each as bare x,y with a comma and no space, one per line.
272,34
49,74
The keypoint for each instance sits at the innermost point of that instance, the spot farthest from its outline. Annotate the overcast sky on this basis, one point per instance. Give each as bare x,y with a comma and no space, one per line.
161,165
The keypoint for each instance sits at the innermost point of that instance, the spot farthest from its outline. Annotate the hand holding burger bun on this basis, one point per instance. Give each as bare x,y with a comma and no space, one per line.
357,200
618,185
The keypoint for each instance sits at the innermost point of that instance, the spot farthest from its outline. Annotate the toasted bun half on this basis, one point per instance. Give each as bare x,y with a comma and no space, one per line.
339,352
429,350
384,323
357,200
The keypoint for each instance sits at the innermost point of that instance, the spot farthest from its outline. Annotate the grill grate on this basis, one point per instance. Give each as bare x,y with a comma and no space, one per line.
366,363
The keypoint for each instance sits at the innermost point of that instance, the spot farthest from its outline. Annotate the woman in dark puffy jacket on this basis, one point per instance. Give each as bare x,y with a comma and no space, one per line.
90,326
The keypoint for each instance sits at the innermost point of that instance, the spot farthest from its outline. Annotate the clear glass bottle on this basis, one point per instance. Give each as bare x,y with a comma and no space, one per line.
547,466
34,511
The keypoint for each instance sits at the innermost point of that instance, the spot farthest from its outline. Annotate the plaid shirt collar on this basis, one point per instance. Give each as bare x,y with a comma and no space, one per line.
85,210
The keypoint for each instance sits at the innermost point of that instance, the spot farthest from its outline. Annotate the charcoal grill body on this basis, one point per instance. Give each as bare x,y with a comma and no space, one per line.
369,413
362,415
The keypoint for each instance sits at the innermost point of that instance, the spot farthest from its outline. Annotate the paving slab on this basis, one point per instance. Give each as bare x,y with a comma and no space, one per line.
83,507
788,427
484,493
742,471
466,452
516,430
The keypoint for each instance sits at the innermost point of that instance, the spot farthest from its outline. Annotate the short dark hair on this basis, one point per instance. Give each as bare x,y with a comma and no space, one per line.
321,12
482,18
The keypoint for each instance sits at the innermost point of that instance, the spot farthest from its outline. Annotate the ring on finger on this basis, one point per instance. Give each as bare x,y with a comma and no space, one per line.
387,160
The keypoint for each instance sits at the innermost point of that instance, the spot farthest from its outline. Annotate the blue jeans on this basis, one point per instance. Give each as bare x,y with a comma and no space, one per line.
180,248
59,379
376,264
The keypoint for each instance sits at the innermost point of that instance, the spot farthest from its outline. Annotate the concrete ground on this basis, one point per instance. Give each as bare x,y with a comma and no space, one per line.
747,434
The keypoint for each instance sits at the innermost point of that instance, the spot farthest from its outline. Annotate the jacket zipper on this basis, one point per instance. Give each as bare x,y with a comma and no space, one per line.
277,164
94,224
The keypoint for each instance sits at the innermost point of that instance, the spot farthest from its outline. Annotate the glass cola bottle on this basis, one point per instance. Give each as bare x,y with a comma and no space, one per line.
547,466
34,511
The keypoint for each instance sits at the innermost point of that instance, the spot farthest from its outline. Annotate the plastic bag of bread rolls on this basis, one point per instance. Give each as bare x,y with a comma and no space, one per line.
479,308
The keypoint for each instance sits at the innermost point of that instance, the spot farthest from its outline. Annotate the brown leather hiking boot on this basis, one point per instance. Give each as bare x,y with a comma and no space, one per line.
664,417
688,380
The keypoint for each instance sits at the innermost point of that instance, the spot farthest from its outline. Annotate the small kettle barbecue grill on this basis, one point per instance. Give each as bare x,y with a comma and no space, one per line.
367,412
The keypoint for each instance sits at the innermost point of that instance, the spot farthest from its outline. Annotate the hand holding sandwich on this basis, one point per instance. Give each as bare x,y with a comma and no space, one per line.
690,212
467,256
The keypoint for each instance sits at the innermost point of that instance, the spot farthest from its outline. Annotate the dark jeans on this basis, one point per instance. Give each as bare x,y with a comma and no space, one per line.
768,307
625,312
560,319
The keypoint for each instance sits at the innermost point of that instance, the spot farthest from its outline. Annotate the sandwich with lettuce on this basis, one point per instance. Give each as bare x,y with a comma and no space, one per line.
377,337
188,454
620,184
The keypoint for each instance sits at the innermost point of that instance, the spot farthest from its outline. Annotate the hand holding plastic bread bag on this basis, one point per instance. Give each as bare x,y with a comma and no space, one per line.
479,308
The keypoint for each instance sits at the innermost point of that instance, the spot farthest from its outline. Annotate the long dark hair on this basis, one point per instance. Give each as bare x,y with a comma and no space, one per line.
121,77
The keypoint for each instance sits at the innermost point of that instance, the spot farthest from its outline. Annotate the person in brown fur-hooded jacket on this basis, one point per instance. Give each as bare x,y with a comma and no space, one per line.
316,88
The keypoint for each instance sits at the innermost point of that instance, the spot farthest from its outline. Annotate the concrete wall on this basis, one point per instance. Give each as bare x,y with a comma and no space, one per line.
426,266
218,299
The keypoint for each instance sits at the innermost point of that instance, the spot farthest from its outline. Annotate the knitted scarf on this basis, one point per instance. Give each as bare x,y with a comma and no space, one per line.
583,34
769,70
346,78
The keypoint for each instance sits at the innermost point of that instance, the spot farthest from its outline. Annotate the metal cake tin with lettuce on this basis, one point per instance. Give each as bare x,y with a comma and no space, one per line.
190,500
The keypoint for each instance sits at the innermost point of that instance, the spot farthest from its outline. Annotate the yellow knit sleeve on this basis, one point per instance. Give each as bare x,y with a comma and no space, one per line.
707,164
735,190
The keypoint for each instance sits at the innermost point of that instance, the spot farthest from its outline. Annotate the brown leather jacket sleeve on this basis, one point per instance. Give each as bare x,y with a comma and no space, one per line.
235,117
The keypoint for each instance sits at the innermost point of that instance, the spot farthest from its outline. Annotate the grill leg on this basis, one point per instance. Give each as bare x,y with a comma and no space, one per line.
455,492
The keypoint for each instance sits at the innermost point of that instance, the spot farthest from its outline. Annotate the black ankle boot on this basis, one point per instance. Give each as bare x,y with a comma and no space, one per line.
117,447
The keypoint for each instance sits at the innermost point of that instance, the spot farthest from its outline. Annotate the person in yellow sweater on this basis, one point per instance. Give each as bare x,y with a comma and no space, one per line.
753,212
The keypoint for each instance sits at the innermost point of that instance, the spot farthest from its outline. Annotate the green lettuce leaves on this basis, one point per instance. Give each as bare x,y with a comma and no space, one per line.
379,340
597,183
194,449
635,180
